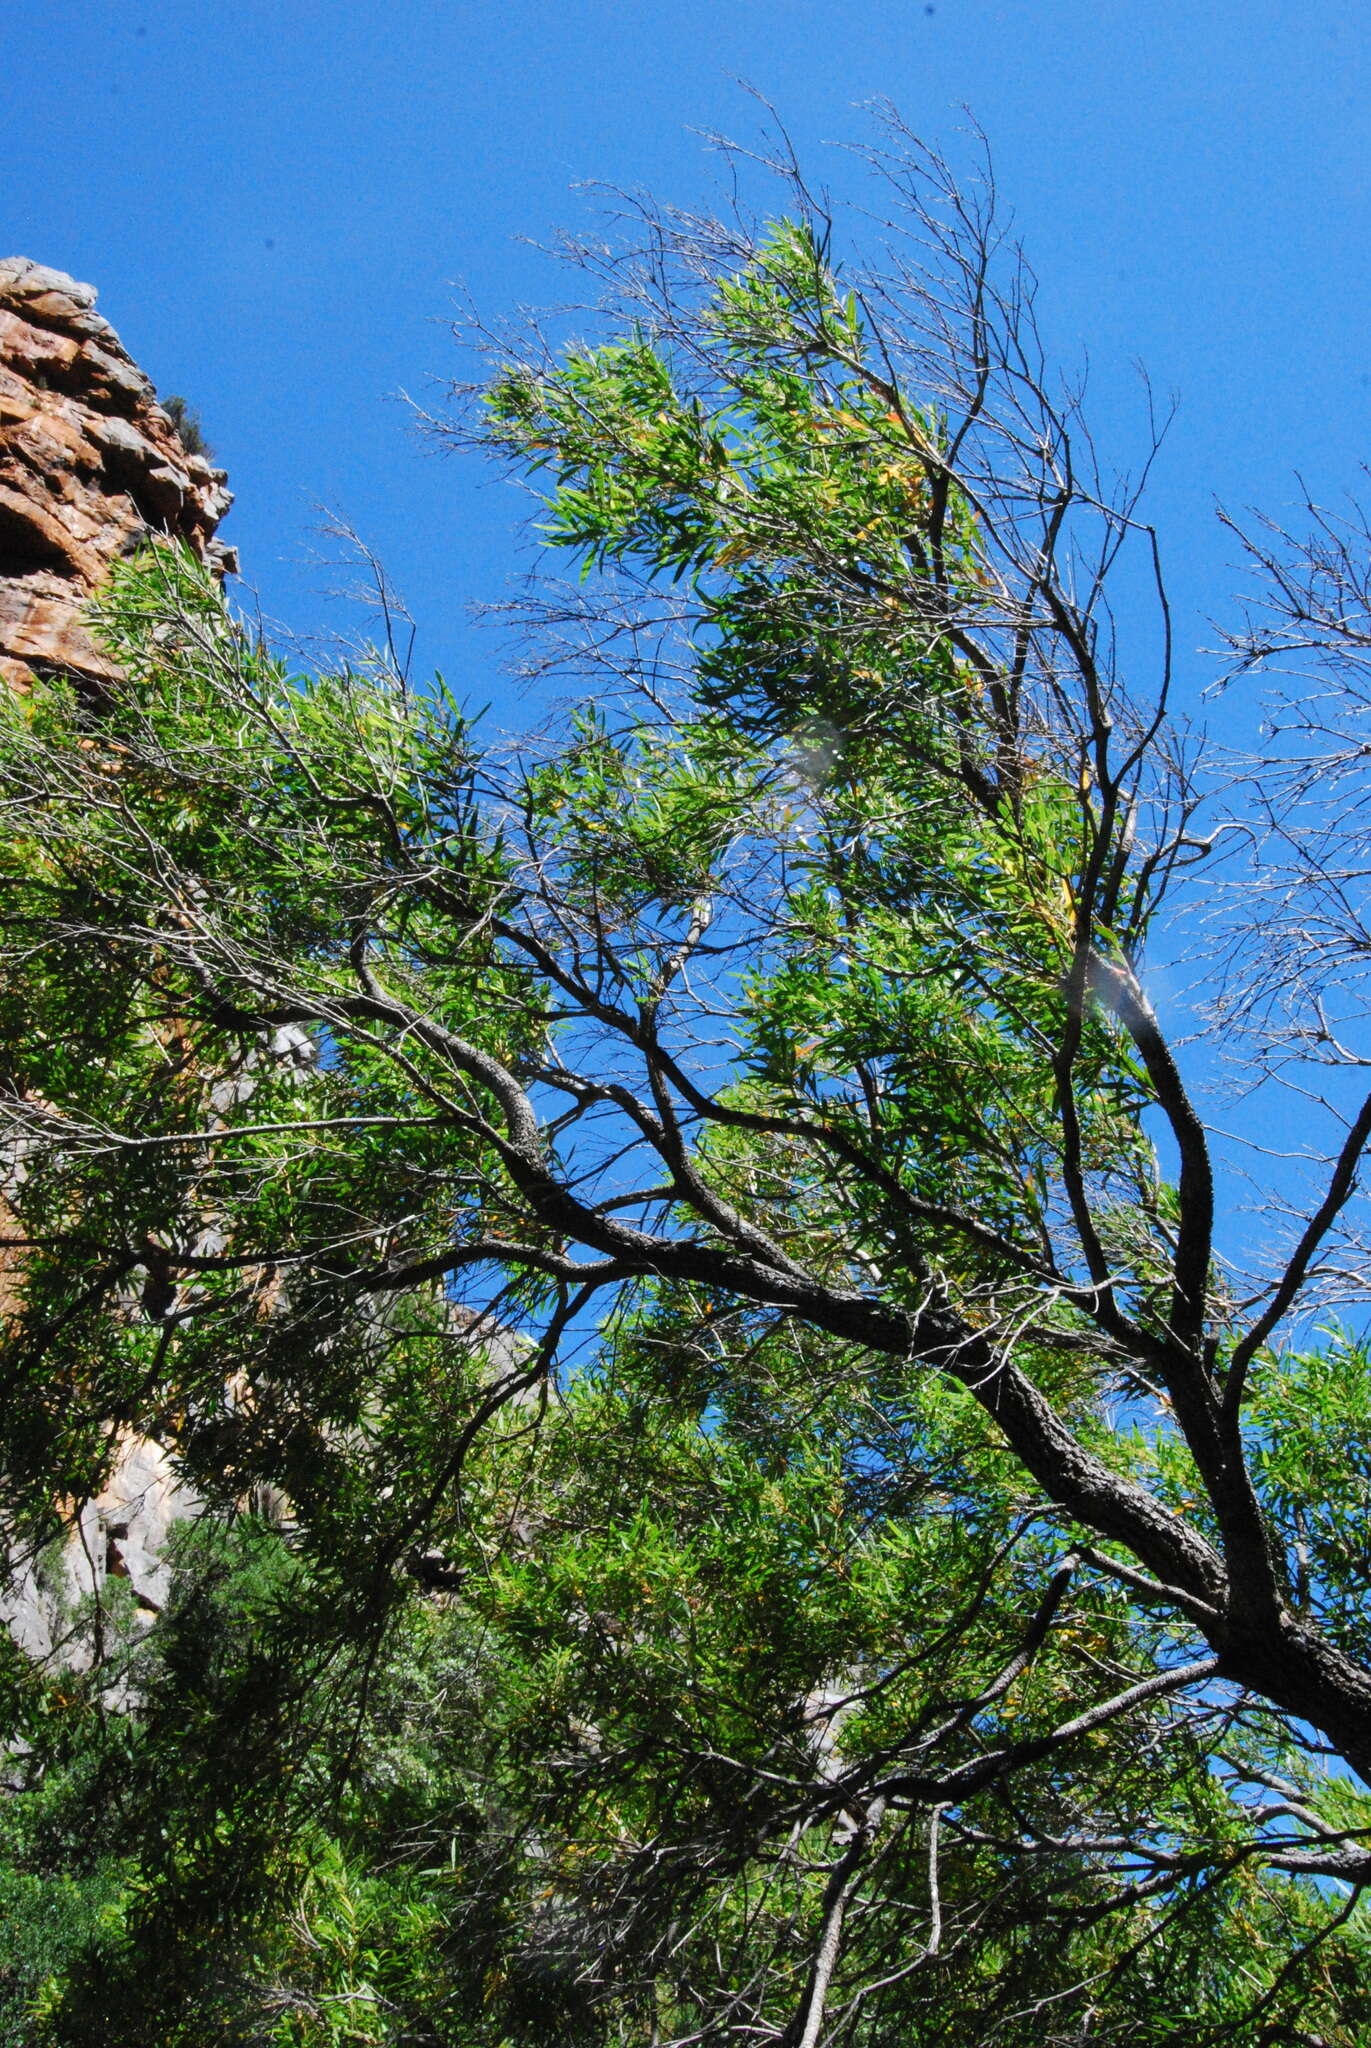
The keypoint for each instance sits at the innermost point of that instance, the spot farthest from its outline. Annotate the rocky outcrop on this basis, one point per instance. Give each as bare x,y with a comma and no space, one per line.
52,1602
90,466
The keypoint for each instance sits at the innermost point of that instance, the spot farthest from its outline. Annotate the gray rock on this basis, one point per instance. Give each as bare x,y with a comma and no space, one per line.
22,278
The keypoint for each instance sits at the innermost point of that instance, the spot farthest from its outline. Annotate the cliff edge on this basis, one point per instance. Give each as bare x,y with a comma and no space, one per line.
90,466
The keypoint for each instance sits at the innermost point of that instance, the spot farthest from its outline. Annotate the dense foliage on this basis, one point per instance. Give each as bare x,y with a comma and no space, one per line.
738,1501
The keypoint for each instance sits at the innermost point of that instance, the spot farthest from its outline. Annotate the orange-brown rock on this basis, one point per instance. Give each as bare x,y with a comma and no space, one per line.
90,466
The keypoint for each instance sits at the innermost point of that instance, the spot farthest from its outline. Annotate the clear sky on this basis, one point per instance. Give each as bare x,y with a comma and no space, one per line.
273,201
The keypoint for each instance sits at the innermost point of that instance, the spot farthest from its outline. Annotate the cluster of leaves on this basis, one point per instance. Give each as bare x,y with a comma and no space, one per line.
575,1801
669,1228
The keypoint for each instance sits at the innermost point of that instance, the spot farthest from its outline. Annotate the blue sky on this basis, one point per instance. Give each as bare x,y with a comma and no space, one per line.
274,201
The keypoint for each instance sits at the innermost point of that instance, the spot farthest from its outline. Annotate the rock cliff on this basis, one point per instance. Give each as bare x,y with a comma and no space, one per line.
90,466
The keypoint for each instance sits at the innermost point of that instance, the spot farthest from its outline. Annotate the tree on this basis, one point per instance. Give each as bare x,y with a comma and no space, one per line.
900,1583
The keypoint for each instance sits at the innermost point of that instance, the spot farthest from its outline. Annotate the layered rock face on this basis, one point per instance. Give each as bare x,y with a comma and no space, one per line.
90,466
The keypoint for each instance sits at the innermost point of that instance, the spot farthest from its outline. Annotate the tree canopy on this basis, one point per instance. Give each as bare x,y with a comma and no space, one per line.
745,1494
